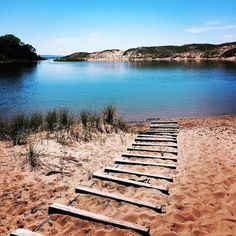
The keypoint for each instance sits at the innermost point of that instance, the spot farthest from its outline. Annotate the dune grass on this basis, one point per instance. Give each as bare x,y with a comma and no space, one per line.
107,120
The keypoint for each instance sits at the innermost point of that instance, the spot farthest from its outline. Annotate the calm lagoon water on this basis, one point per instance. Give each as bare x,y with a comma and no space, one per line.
139,90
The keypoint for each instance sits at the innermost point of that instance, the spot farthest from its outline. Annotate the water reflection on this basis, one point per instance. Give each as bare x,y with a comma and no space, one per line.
188,64
16,83
139,89
14,72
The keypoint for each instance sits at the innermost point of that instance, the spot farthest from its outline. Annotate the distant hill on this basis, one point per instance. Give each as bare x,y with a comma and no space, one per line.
225,51
12,49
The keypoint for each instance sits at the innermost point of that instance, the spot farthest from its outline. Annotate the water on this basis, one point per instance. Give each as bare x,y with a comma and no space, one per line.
139,90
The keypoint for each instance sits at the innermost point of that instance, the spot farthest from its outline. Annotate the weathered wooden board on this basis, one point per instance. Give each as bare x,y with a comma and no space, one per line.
132,155
117,170
155,132
155,145
150,150
129,182
175,131
56,208
163,122
119,197
155,140
24,232
156,136
170,133
124,162
164,126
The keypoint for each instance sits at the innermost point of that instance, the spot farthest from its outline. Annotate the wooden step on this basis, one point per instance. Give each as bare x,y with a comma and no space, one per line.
163,122
24,232
164,126
155,145
119,198
150,150
174,133
130,155
155,140
56,208
156,136
124,162
129,182
117,170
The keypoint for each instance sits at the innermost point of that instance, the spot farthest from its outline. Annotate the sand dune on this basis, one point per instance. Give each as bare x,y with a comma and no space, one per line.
202,198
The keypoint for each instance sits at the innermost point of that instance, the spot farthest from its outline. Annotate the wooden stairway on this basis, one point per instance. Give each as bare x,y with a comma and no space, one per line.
160,138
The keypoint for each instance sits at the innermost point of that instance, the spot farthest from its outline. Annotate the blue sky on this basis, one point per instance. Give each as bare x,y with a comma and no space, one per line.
65,26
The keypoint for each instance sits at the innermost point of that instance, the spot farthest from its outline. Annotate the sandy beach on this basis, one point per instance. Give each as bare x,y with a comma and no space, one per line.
202,198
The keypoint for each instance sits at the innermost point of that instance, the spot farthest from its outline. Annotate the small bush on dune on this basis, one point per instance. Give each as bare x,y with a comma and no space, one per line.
109,114
95,121
36,122
51,119
2,129
65,119
33,158
84,117
17,128
120,124
60,119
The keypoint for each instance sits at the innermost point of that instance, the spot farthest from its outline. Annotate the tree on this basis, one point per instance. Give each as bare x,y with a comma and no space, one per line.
11,48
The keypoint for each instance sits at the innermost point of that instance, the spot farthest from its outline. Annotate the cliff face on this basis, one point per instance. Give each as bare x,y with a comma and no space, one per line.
226,51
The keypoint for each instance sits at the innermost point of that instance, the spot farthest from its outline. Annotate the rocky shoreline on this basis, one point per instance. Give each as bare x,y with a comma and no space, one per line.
189,52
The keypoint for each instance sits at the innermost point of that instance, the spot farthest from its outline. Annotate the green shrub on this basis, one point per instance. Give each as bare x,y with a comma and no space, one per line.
17,128
85,117
51,119
65,119
109,114
35,121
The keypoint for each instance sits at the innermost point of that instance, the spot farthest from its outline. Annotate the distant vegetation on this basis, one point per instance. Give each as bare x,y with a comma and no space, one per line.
12,49
79,56
57,120
188,51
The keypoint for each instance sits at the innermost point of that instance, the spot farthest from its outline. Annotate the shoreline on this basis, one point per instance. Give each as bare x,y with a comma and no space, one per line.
152,60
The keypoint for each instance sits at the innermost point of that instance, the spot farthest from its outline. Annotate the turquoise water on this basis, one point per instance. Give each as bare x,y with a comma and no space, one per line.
139,90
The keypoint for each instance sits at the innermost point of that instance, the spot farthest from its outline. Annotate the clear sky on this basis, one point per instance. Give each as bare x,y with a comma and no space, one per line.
65,26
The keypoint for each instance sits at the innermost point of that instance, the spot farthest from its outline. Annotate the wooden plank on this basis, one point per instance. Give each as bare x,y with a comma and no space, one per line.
117,170
155,140
56,208
163,122
164,127
130,155
119,198
165,130
156,136
124,162
128,182
150,150
155,132
155,145
24,232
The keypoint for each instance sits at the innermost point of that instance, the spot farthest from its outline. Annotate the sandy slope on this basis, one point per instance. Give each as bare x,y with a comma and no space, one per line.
202,199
